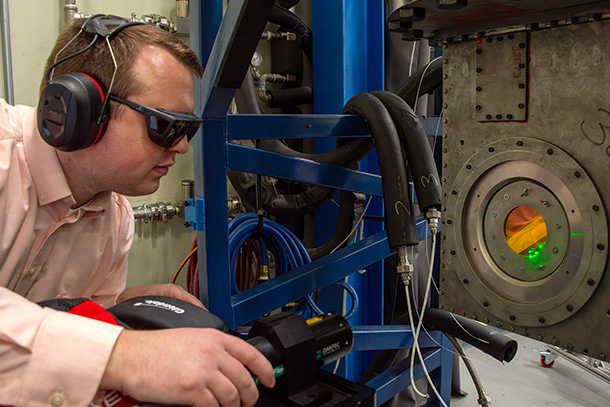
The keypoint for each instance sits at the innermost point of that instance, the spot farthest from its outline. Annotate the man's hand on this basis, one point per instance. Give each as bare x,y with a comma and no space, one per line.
165,290
188,366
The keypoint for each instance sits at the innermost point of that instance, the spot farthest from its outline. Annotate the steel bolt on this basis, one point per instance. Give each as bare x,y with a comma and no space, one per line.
502,257
493,214
557,225
555,250
506,197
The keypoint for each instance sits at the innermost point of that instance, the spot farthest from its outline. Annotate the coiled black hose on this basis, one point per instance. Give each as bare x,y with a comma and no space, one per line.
400,221
417,150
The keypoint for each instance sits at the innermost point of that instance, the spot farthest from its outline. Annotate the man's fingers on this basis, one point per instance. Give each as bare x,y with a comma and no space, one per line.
242,380
226,393
252,359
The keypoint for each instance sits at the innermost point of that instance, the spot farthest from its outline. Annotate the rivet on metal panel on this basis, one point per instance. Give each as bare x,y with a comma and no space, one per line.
491,149
451,309
444,165
520,143
521,106
541,319
463,313
478,107
499,38
555,250
585,351
601,357
488,117
454,192
445,105
512,317
445,61
577,174
539,337
522,86
485,304
479,51
465,281
499,116
600,246
502,257
555,341
511,328
591,282
569,307
478,89
445,90
595,208
549,151
449,221
509,116
569,346
486,320
453,252
445,121
468,166
499,324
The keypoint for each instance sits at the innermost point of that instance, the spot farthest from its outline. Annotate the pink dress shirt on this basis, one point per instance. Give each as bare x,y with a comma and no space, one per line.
47,357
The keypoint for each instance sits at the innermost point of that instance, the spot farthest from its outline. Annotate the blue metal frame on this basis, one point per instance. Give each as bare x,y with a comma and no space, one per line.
358,65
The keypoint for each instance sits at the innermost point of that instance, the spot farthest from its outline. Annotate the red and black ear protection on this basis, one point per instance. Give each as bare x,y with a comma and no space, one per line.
72,109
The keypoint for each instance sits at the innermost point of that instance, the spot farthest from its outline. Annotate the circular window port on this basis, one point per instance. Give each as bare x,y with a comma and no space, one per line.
525,232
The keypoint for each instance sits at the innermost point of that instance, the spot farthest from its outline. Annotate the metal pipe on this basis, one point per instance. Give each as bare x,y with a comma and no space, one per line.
7,54
70,9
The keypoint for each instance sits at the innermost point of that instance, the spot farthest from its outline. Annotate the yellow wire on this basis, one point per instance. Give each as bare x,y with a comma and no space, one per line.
182,264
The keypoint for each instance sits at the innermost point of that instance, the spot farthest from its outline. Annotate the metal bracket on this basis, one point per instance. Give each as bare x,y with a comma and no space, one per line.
194,213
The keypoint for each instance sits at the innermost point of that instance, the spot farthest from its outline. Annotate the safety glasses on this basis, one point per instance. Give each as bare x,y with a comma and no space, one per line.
165,127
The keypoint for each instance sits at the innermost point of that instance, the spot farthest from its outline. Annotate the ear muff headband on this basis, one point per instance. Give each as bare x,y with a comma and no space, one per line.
72,107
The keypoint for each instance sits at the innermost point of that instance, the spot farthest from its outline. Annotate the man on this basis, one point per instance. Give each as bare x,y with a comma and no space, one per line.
67,230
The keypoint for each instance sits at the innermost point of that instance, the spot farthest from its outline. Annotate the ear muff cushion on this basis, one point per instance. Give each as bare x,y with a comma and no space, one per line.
68,111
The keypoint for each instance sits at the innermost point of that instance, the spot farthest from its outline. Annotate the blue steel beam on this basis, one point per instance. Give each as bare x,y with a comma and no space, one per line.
251,127
249,159
377,337
397,378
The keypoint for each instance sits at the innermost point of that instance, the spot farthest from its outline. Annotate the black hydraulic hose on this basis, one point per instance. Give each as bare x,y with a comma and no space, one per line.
477,334
284,17
290,97
415,86
417,149
345,224
400,220
345,155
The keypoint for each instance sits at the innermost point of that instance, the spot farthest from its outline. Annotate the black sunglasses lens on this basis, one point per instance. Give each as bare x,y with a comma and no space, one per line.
164,134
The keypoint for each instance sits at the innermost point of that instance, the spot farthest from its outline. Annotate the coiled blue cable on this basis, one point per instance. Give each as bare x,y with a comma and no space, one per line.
289,253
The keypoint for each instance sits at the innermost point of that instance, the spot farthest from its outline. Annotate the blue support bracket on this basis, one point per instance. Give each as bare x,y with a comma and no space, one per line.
194,213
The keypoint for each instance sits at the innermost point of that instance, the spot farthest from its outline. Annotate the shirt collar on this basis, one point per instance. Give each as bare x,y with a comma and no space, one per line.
47,173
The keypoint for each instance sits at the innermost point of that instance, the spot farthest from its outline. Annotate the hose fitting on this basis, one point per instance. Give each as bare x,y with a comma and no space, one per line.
404,267
433,216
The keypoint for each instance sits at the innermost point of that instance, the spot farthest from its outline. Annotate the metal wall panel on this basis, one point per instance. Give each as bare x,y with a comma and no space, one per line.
555,159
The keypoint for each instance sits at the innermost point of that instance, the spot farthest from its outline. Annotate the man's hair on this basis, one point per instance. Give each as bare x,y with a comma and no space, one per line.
97,61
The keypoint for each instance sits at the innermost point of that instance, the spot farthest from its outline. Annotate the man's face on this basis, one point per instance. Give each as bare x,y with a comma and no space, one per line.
128,161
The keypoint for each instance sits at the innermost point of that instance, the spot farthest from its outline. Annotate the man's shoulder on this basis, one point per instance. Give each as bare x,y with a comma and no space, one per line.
11,120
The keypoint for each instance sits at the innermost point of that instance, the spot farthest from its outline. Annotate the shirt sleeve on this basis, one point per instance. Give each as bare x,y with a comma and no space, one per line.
50,358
